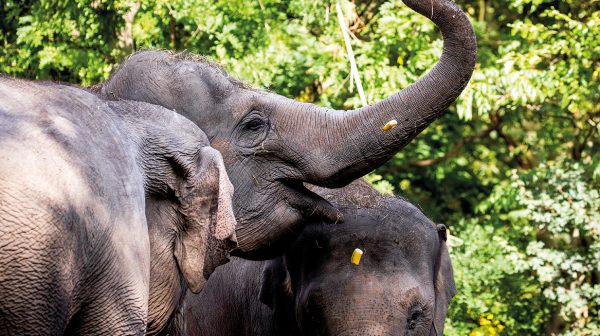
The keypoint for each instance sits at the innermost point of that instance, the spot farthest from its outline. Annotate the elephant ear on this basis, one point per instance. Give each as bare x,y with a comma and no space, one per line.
276,292
276,285
207,231
445,288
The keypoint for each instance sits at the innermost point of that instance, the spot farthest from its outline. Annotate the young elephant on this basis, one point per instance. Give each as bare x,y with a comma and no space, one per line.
401,286
90,193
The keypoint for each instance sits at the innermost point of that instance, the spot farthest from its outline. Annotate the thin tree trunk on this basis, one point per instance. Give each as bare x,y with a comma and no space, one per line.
126,35
171,32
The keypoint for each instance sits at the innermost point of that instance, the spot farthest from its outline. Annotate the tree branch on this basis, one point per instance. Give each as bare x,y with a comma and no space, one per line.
521,160
580,143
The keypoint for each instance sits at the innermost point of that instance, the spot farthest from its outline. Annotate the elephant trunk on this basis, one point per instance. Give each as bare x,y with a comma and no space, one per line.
352,143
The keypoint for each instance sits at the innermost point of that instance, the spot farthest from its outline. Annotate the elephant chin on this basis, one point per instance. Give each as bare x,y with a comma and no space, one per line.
264,248
266,237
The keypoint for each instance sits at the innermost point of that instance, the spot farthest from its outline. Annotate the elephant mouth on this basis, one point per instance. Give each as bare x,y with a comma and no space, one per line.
290,194
262,238
308,203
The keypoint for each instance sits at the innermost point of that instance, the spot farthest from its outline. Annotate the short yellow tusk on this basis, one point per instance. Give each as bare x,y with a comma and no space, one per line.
356,255
390,124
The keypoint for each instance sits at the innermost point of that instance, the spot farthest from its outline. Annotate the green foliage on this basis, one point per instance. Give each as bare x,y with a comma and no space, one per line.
513,169
61,40
537,242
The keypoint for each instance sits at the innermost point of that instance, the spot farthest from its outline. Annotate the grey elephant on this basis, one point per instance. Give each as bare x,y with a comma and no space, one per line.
90,191
271,144
402,285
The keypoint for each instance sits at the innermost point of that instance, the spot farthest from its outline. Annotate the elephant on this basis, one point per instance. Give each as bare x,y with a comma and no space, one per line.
109,212
402,285
271,145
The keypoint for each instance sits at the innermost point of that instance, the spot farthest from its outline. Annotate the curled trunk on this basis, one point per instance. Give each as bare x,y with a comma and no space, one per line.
360,135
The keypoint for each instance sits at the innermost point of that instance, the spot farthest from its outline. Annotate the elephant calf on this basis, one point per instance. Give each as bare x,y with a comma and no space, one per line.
107,211
401,286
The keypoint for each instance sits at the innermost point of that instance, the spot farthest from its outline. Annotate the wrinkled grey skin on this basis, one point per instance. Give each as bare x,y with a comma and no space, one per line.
90,191
271,144
402,285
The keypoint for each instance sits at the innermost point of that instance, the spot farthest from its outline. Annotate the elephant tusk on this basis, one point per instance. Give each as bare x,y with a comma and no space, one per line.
356,255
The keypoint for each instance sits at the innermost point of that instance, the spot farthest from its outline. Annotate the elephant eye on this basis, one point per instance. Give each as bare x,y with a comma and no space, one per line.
414,317
418,316
253,130
255,124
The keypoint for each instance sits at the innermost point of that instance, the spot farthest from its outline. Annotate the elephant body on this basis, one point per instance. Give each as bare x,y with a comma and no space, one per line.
70,231
401,286
80,180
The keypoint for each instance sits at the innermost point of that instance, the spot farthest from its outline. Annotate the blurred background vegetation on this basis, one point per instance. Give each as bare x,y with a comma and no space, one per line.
512,169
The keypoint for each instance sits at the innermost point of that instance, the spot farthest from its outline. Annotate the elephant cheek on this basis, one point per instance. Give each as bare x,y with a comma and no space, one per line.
224,147
264,237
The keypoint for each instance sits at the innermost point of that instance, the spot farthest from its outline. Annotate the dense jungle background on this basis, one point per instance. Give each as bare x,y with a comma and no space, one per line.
513,168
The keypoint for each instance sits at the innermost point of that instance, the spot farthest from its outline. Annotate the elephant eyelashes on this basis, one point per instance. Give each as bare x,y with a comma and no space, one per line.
255,124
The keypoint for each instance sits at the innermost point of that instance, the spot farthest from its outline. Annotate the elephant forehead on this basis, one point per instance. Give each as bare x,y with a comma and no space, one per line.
376,225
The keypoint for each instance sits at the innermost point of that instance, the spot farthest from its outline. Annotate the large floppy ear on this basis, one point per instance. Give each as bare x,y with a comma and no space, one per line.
445,289
275,284
206,233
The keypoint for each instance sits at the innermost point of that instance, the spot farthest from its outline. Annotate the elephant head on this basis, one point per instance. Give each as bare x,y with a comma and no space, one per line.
188,205
271,144
402,285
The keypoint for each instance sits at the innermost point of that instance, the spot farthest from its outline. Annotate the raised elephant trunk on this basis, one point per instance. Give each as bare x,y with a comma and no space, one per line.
359,133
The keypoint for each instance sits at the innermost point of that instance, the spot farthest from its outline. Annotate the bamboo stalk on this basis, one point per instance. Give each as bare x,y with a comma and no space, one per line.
481,10
353,68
